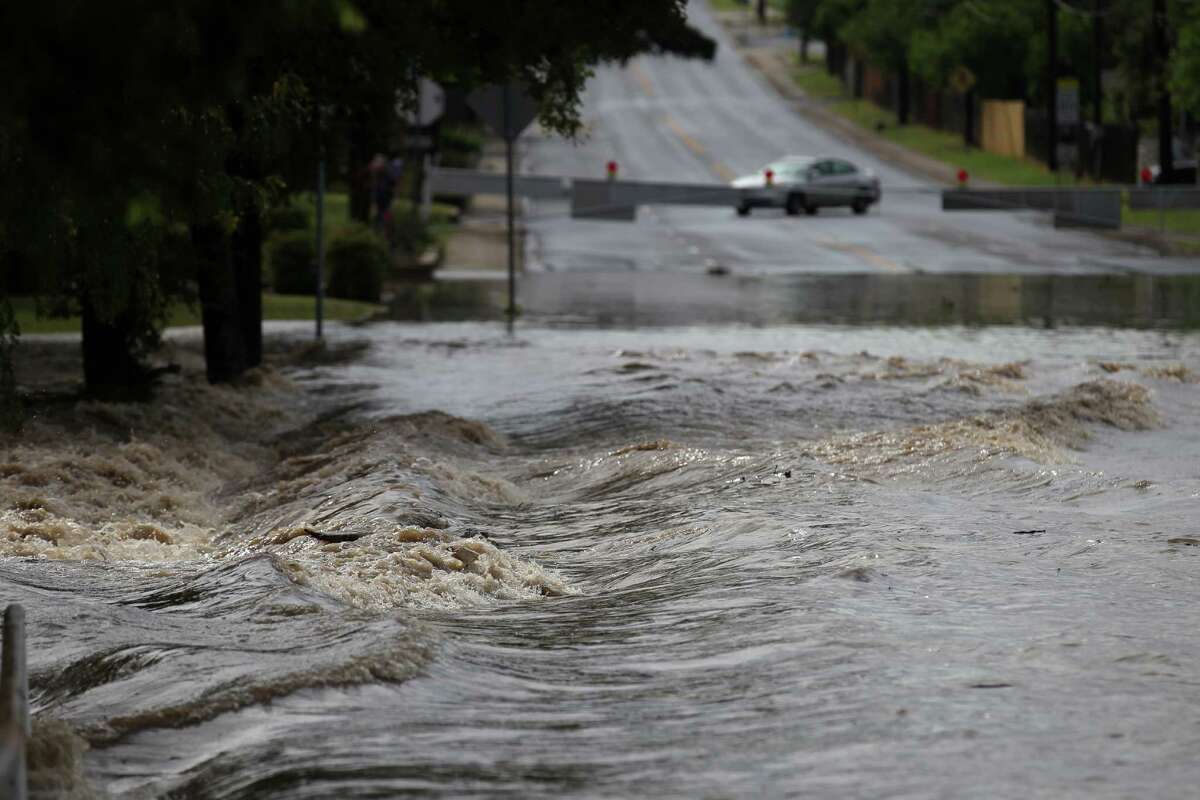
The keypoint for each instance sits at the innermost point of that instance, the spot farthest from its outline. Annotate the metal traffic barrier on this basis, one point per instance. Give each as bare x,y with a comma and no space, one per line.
618,200
597,199
612,199
14,705
1085,208
1164,197
446,180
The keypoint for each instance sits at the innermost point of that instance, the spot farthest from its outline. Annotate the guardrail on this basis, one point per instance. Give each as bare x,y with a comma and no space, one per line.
14,705
1086,207
590,198
1164,197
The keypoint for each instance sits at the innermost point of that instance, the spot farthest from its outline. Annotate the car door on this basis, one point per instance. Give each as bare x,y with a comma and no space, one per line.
790,176
843,182
821,190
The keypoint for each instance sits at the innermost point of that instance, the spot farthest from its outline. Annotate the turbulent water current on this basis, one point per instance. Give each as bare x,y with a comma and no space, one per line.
686,562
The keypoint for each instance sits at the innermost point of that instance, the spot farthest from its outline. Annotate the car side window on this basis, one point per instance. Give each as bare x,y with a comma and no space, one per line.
843,168
822,169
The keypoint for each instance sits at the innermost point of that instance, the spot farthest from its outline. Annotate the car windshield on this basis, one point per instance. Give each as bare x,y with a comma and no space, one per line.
791,166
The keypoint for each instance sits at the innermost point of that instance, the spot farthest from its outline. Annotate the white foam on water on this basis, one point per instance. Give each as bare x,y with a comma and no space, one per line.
422,567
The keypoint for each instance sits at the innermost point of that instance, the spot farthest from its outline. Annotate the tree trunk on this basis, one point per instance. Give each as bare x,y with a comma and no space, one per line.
902,105
360,181
224,345
110,369
247,247
1097,64
969,118
760,11
804,47
1052,85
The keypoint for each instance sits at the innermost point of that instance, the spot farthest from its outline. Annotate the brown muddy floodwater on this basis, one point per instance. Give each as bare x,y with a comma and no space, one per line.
682,561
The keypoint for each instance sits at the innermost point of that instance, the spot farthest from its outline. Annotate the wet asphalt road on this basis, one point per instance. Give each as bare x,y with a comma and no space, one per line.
671,119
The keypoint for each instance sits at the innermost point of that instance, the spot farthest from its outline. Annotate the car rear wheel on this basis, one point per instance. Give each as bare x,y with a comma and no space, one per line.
859,205
743,209
793,204
810,210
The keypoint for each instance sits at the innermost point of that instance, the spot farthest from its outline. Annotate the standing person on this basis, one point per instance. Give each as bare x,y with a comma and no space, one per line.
383,190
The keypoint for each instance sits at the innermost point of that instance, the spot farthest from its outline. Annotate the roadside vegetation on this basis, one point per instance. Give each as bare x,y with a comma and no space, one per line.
166,171
1134,66
941,145
275,307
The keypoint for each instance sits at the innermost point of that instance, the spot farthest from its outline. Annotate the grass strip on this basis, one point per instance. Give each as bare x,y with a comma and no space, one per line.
949,148
275,307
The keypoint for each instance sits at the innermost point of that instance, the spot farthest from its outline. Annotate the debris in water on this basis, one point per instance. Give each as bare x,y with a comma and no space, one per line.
860,574
1171,372
336,536
659,444
1029,532
1187,541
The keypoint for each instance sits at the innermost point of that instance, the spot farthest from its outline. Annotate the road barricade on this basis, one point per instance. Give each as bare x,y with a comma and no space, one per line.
1072,208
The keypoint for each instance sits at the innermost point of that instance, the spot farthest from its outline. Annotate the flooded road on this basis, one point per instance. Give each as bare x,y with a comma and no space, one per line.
708,560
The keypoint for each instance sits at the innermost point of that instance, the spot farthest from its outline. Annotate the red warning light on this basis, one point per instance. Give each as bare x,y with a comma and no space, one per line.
962,177
770,176
612,169
1146,175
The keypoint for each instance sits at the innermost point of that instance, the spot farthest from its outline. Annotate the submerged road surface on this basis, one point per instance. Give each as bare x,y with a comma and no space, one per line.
666,118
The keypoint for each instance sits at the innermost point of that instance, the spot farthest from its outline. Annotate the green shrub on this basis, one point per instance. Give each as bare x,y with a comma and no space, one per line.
409,234
460,146
357,261
291,217
292,258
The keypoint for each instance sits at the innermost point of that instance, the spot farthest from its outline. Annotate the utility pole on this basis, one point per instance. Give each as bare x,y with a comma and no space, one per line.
1052,85
320,242
1166,156
509,136
1098,63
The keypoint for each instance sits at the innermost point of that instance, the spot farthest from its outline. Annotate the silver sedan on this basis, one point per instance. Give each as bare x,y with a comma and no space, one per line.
806,183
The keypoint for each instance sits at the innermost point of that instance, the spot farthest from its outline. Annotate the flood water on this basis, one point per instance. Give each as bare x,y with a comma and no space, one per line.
915,556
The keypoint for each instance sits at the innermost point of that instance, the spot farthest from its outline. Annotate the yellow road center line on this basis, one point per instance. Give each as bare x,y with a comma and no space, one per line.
684,136
723,172
640,76
863,253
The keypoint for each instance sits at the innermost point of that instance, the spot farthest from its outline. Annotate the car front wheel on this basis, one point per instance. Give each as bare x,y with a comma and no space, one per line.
793,205
743,209
860,206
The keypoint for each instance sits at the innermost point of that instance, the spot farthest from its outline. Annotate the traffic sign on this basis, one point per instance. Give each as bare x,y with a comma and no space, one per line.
431,104
1067,99
507,108
418,141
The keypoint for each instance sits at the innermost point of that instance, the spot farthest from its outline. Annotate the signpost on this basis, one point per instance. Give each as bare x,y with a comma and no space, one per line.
507,109
1068,102
431,105
1067,113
